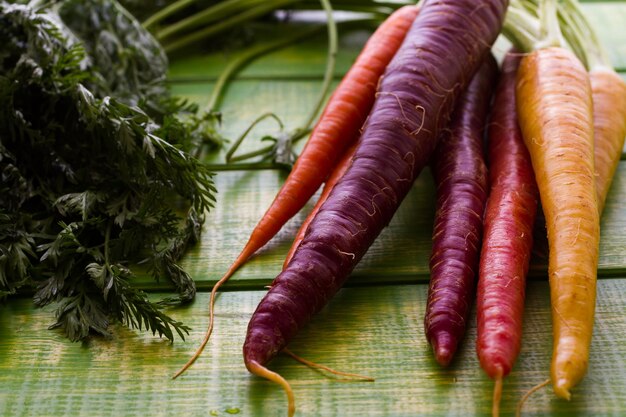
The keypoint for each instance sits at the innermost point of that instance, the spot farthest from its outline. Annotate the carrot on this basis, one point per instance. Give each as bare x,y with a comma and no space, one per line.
336,129
335,175
608,91
508,235
555,114
444,47
609,122
338,126
460,174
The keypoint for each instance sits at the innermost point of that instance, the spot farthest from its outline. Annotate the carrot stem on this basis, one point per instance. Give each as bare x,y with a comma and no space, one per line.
166,12
245,16
229,155
550,32
521,28
240,61
207,16
302,131
330,62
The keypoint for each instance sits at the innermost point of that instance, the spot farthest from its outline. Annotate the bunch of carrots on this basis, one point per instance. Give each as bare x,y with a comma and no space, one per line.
426,91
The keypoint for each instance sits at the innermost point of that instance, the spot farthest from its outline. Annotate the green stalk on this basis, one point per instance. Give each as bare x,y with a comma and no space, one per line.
582,33
305,129
550,34
240,61
166,12
356,8
521,28
209,15
231,151
246,16
330,65
255,166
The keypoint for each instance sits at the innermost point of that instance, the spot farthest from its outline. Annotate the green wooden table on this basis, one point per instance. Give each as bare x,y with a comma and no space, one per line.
373,326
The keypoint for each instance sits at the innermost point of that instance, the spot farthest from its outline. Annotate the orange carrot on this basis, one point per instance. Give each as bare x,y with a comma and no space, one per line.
337,173
555,114
608,88
337,128
555,110
609,97
609,123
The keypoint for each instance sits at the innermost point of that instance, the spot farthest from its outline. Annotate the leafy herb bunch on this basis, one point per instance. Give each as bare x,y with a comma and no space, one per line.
95,165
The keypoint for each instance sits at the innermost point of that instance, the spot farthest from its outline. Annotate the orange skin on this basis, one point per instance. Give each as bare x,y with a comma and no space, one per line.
556,117
609,121
335,176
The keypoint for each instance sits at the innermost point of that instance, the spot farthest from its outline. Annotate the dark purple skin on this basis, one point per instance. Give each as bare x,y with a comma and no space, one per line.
444,47
460,172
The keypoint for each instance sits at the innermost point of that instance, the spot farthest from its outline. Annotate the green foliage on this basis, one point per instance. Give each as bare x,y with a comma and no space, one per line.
96,166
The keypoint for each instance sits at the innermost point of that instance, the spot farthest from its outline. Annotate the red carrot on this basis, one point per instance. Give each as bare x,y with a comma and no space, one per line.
444,47
336,129
508,235
460,175
337,173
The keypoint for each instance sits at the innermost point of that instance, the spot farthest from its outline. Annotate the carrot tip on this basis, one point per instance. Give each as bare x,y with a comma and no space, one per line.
497,395
444,348
561,388
260,370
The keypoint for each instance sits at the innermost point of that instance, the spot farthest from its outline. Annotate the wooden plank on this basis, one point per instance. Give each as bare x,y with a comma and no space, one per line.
292,101
400,254
376,331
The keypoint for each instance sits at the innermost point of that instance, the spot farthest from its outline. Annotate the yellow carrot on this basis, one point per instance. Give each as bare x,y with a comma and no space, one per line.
608,91
555,114
609,123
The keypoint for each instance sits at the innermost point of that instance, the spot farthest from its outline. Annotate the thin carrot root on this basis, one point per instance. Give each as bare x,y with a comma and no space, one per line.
518,410
209,331
497,394
314,365
259,370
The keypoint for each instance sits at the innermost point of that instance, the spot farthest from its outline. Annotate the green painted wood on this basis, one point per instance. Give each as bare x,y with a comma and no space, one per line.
375,331
400,254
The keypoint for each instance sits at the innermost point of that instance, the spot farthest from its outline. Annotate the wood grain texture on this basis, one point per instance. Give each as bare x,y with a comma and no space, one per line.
376,331
374,327
399,255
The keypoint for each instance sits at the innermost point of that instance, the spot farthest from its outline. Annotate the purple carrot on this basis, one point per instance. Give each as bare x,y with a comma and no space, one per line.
444,47
508,236
460,173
